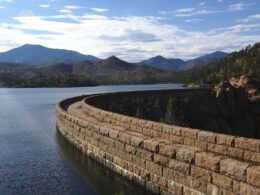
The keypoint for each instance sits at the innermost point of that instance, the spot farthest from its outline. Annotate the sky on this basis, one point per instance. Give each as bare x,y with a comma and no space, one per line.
133,30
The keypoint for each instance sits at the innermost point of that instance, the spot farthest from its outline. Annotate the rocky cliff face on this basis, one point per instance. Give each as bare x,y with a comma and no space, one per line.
239,108
249,84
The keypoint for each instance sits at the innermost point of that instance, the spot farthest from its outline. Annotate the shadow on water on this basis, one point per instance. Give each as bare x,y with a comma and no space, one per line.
103,180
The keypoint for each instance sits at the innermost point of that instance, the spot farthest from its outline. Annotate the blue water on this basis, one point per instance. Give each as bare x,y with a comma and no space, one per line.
35,159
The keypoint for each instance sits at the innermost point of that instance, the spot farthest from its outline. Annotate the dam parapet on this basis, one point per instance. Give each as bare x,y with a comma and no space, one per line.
162,153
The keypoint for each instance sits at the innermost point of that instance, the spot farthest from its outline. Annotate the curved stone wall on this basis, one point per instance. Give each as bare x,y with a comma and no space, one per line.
200,109
167,159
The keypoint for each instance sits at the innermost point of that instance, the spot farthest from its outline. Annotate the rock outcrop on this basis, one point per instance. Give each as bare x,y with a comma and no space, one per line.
249,84
236,107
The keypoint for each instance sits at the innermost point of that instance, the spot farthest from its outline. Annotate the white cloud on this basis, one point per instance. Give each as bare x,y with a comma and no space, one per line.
220,1
44,5
202,3
239,28
254,17
73,7
2,7
250,18
26,12
65,11
238,6
131,38
191,11
9,1
99,10
194,20
93,17
162,12
186,12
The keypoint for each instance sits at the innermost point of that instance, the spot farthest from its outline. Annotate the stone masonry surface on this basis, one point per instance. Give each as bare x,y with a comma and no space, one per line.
166,159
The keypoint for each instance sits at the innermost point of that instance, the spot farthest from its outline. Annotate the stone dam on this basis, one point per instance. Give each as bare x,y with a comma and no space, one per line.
170,141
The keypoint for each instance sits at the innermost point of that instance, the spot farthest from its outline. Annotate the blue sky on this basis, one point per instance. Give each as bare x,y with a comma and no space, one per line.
131,29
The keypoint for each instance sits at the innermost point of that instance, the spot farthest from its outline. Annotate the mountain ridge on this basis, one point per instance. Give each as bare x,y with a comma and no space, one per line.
179,64
163,63
116,71
108,71
238,63
204,59
38,55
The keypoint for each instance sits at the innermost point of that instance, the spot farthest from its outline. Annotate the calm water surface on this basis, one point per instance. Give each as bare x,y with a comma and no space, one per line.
35,159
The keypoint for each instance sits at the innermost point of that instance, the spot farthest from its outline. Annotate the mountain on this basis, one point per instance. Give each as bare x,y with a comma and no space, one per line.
40,55
37,54
178,64
236,64
84,73
200,61
164,63
112,71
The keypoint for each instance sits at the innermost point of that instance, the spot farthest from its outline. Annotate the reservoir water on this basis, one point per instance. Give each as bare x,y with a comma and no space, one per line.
35,159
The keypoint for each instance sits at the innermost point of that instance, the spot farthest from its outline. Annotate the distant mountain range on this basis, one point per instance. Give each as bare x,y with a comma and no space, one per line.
40,55
37,54
116,71
84,73
164,63
178,64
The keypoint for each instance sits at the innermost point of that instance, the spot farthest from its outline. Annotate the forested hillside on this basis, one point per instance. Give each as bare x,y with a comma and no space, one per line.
245,61
109,71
